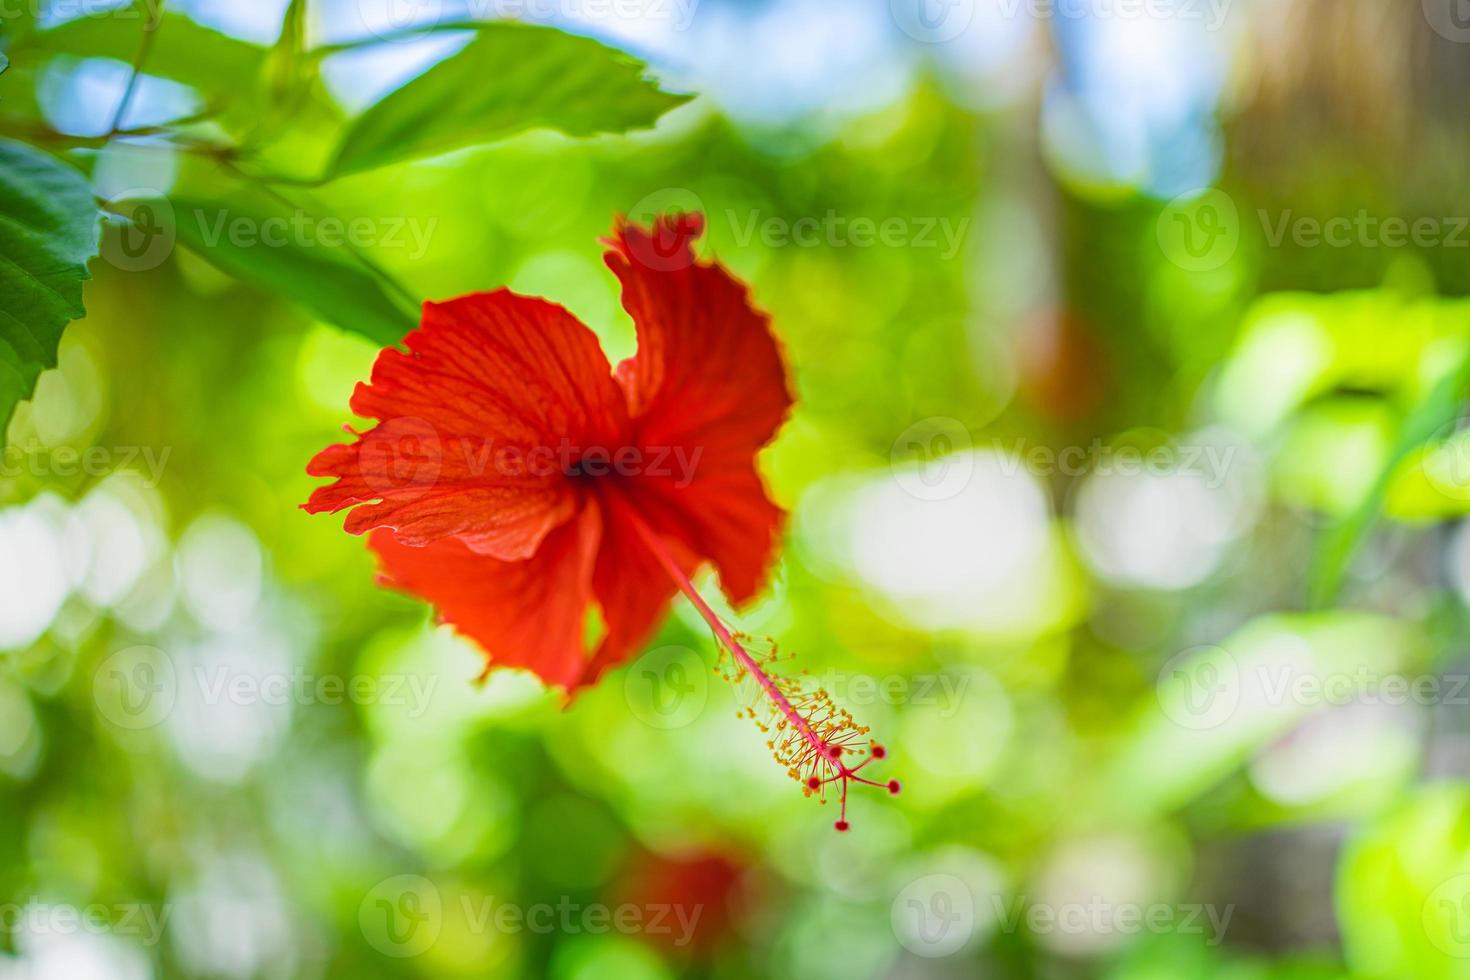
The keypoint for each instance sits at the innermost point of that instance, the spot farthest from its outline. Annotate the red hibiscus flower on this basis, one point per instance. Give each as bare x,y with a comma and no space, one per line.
517,482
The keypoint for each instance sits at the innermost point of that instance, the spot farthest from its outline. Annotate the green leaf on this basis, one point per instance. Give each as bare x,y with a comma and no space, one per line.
1403,890
182,50
49,228
261,246
510,78
288,72
291,123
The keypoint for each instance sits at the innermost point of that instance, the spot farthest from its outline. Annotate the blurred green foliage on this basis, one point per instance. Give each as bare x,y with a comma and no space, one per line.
1148,717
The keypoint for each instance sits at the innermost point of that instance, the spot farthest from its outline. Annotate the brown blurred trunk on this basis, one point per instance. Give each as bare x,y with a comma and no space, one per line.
1364,95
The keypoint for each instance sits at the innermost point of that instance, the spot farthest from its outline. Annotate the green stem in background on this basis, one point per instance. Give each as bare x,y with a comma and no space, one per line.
1337,547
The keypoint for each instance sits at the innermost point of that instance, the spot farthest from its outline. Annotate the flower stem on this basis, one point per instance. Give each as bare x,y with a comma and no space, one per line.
738,651
821,745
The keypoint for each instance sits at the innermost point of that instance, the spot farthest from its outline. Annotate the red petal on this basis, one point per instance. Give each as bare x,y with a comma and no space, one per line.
529,613
708,379
630,584
477,421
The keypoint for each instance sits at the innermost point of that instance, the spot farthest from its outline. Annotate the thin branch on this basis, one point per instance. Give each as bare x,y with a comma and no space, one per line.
34,132
410,33
145,48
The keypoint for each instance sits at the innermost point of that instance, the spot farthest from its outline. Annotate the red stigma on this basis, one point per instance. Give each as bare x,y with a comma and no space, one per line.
841,825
